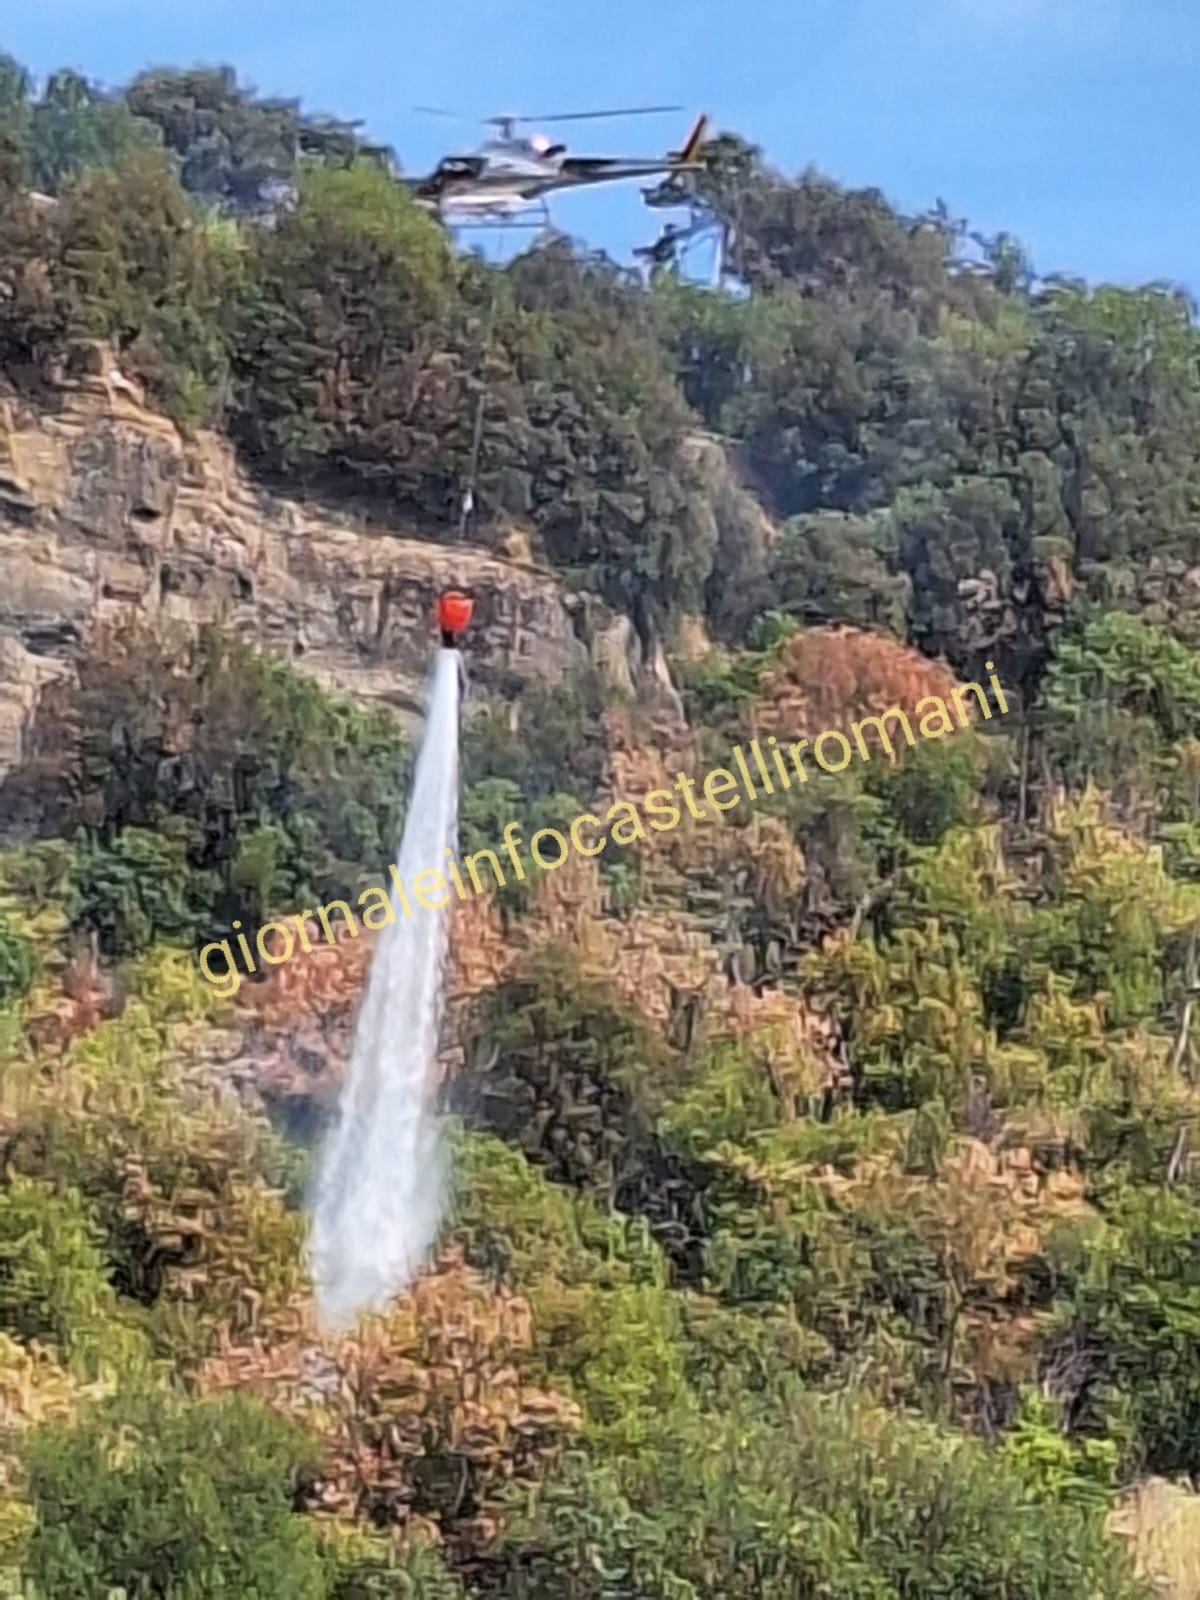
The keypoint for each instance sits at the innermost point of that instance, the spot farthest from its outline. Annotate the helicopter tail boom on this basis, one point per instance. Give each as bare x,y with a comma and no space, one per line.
694,141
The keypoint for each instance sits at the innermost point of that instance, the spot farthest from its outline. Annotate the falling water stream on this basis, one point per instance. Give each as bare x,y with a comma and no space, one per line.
379,1184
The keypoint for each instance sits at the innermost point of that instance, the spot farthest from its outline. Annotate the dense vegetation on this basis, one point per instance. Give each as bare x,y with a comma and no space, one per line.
917,422
889,1314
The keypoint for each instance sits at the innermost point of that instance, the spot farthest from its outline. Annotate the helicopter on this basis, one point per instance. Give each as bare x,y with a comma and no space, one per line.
508,178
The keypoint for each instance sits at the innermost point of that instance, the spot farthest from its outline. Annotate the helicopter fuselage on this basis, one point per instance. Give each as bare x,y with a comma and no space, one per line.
500,180
509,173
519,158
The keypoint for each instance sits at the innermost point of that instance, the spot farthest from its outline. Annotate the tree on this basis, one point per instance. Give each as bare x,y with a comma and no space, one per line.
74,127
1120,695
831,567
131,267
16,88
32,316
238,786
235,149
338,347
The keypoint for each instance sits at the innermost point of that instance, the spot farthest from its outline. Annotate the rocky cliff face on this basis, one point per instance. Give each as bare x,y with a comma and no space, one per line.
106,511
103,507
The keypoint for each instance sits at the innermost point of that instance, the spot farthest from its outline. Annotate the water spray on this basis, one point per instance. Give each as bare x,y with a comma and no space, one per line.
381,1174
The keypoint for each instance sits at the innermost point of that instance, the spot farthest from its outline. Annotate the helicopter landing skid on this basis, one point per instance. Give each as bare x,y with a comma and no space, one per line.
534,219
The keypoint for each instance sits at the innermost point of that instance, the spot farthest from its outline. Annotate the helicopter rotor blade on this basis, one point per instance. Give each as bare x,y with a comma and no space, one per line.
439,111
592,116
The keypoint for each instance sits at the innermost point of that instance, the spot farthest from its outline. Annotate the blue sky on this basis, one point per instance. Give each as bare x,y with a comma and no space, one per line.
1074,124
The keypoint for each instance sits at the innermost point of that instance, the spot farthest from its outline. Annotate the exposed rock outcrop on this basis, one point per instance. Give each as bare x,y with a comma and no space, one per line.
103,506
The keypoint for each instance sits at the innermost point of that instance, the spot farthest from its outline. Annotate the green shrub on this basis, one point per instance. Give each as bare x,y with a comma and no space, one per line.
827,1498
54,1279
933,789
277,795
1119,693
18,963
138,888
1127,1322
367,1569
180,1500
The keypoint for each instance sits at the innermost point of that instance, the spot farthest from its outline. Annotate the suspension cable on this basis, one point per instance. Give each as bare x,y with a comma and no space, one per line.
468,499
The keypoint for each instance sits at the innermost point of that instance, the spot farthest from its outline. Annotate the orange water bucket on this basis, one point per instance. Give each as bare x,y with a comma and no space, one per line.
454,611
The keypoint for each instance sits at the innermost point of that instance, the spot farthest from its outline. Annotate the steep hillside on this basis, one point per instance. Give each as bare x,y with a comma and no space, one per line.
825,1208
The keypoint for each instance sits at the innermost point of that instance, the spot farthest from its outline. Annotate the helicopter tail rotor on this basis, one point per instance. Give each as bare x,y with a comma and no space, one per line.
694,141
